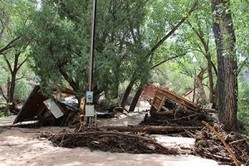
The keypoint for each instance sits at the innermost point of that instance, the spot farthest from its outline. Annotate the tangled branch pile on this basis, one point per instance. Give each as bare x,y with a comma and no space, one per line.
177,118
215,143
110,141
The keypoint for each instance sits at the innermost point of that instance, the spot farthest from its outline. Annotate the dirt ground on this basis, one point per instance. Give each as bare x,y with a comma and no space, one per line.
22,146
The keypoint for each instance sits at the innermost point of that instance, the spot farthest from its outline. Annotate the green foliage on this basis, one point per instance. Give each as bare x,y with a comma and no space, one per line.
175,75
243,104
4,114
110,103
62,39
243,117
22,90
60,48
126,30
14,15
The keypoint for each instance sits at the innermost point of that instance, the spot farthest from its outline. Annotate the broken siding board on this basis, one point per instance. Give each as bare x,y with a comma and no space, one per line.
157,102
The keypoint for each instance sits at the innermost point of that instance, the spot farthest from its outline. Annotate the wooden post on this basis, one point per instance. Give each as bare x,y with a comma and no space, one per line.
82,113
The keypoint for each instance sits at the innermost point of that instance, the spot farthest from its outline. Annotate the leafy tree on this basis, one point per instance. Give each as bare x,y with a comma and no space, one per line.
243,101
62,39
203,44
240,18
149,56
13,45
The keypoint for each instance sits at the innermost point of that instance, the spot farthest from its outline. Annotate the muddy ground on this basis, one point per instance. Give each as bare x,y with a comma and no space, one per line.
22,146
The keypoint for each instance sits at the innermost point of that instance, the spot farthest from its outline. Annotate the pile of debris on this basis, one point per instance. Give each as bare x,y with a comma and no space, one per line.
61,109
171,109
39,110
169,114
110,141
215,143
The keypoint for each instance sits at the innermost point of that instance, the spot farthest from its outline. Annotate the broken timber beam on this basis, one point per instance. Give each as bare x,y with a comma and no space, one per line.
152,129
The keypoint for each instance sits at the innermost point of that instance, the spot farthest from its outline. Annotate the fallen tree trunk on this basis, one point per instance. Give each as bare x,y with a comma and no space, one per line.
152,129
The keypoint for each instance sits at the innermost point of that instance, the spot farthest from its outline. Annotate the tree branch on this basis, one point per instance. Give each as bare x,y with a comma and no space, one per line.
8,63
19,78
20,65
200,36
173,29
205,45
9,45
166,60
242,65
1,90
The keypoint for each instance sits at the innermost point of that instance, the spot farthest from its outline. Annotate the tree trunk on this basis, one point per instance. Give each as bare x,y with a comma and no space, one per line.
207,54
12,88
199,88
227,63
127,93
210,78
136,98
10,92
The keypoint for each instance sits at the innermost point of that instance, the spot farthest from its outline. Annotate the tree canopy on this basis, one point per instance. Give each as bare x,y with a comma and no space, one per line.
138,42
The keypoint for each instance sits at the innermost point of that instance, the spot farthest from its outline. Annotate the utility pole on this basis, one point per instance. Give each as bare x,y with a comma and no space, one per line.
90,113
90,79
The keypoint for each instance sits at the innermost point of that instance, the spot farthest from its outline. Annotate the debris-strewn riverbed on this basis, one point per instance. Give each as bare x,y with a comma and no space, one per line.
22,146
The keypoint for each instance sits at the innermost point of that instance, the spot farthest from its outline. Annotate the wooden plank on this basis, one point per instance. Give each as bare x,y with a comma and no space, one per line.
156,107
158,97
167,111
161,103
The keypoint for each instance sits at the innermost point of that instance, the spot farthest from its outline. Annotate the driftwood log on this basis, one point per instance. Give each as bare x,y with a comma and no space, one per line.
151,129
